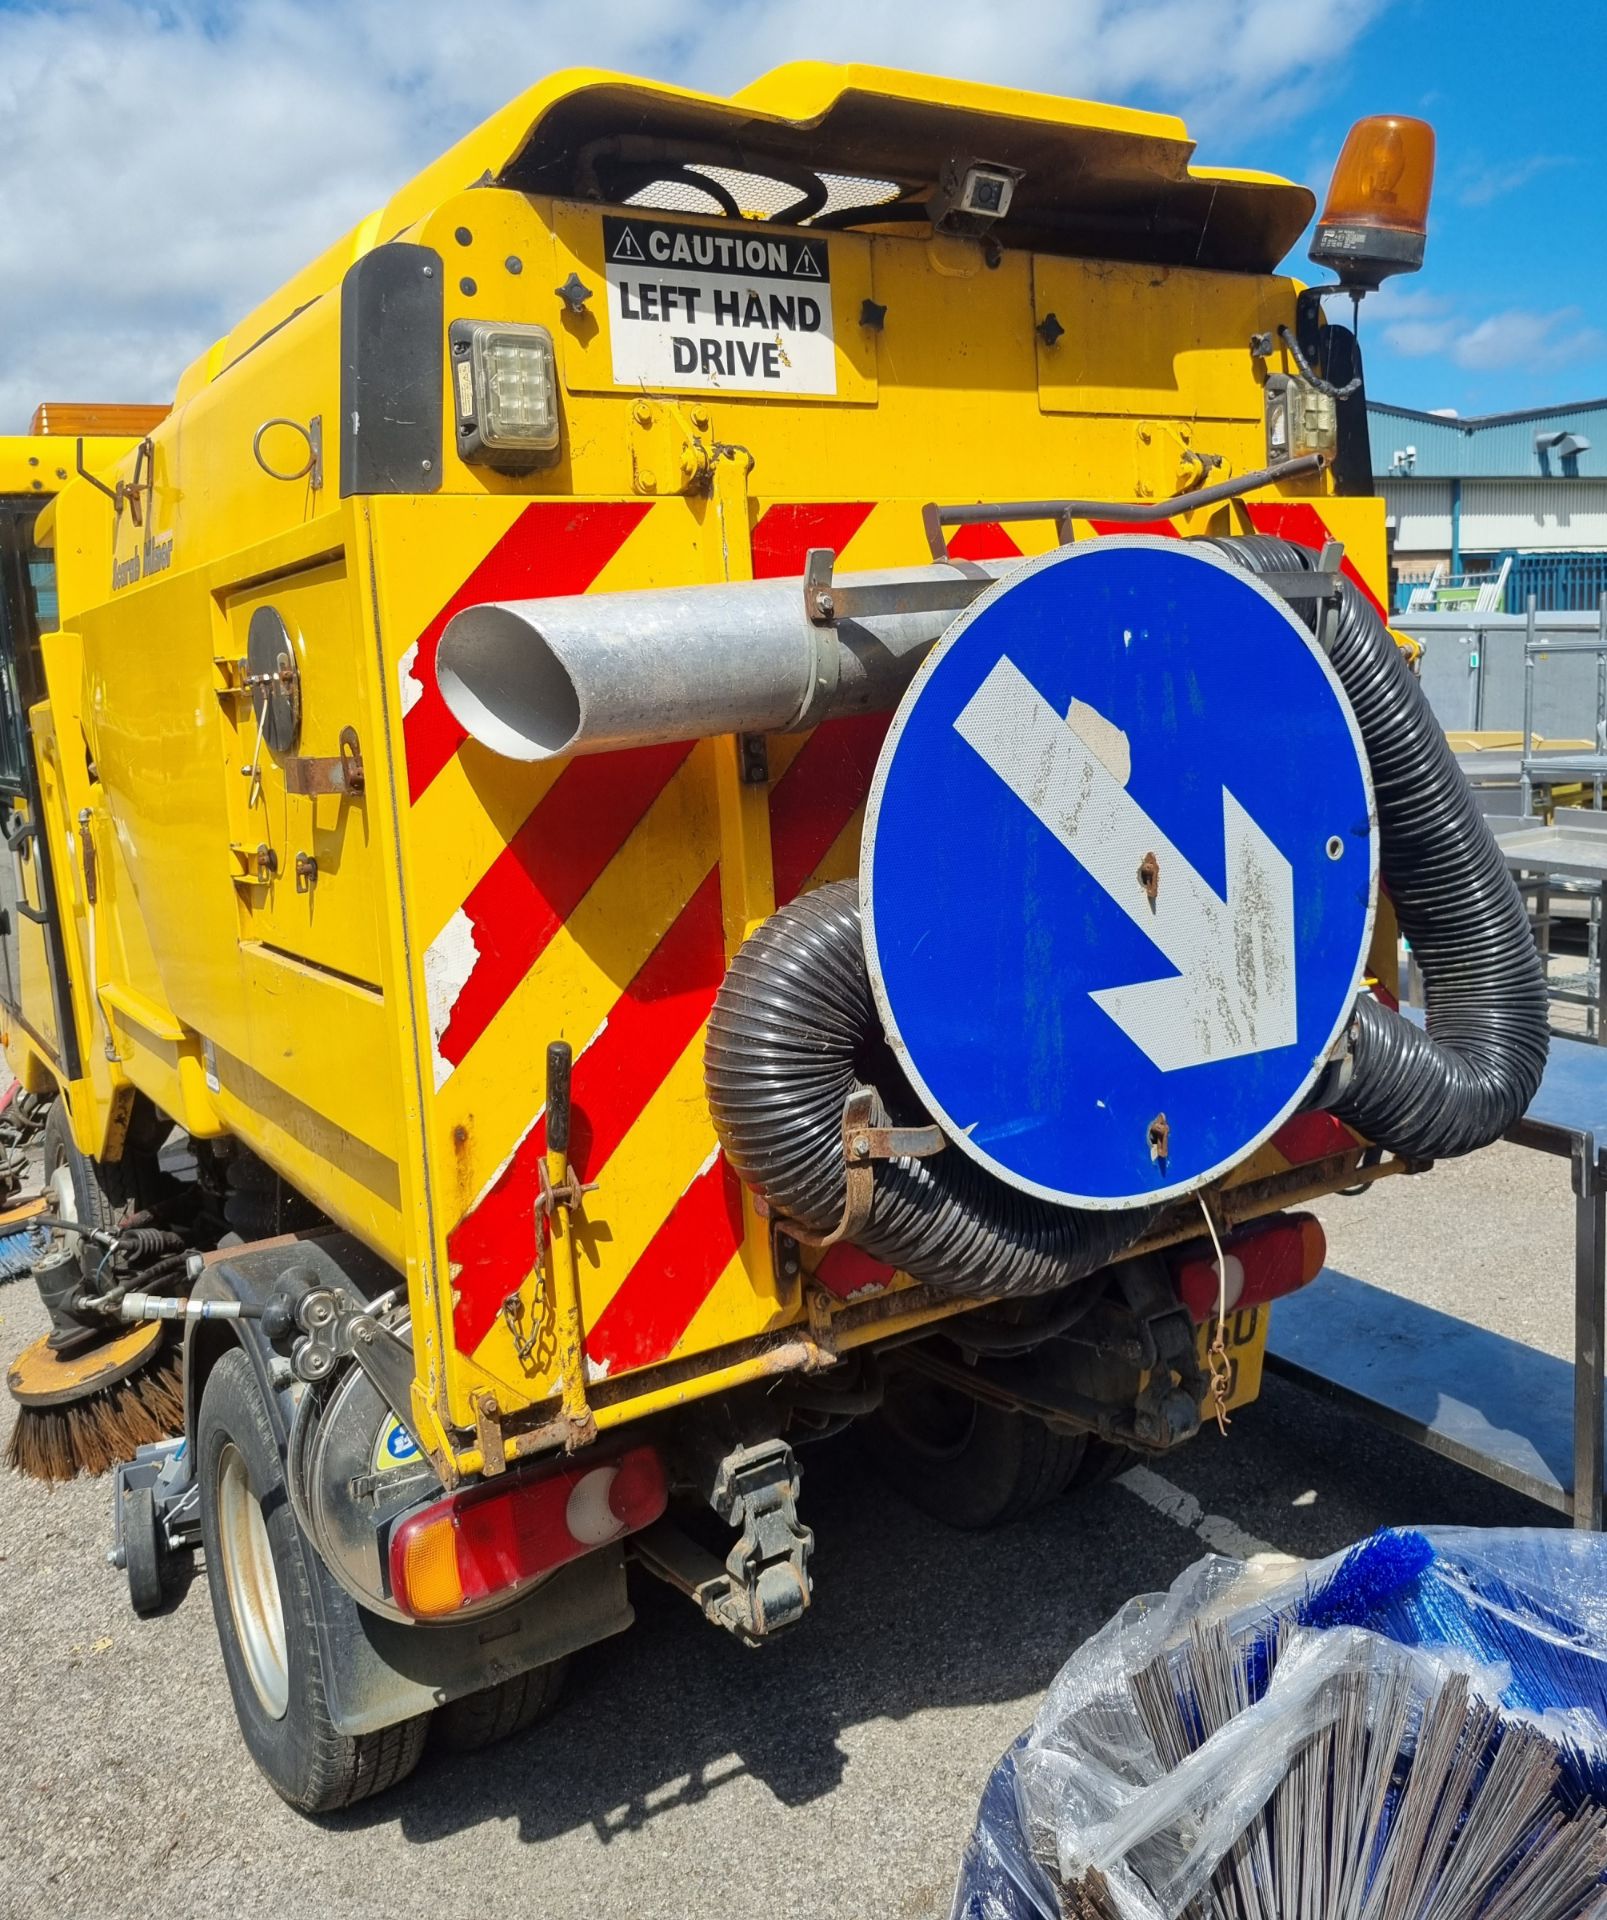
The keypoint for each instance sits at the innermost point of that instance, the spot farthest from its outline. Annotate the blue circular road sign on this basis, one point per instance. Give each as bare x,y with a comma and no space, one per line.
1118,872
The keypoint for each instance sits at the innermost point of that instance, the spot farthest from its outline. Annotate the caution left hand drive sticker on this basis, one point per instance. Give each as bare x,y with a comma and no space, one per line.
734,308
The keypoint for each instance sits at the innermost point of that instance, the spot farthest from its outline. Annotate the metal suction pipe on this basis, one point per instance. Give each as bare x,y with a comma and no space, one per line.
591,673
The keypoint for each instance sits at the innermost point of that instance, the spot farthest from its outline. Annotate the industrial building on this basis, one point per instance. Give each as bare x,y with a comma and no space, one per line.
1487,510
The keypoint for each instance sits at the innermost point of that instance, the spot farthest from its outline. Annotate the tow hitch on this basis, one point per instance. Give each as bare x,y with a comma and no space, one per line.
764,1584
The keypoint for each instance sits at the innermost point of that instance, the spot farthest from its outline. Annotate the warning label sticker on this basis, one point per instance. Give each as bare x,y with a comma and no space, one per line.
395,1447
730,307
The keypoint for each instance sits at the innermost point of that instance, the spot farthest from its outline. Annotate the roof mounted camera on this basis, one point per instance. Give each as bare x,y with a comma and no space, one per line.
972,195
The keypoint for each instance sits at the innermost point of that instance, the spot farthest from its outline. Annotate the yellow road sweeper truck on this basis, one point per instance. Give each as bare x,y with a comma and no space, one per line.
737,770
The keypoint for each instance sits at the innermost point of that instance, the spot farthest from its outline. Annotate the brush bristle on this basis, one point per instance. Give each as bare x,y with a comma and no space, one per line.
91,1435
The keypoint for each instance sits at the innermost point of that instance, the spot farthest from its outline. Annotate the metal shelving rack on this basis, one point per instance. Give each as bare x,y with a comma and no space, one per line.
1567,854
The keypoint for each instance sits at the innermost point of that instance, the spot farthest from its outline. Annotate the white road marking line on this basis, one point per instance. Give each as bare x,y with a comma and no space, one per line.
1221,1535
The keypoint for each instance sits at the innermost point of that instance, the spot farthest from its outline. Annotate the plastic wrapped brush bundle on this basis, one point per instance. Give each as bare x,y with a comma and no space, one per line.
19,1251
1415,1729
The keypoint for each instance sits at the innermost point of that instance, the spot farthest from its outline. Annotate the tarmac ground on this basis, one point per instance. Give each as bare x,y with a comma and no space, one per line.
835,1773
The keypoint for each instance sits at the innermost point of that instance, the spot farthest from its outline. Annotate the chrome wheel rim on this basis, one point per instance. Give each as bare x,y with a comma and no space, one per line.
63,1194
253,1585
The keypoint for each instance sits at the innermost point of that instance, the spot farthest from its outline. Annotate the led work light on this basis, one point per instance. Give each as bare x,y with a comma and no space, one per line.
505,387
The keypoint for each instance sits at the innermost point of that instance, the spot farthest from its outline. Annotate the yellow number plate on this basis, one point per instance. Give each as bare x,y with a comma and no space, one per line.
1247,1347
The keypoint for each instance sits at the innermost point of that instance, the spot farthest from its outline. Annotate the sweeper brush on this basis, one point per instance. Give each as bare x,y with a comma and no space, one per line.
82,1413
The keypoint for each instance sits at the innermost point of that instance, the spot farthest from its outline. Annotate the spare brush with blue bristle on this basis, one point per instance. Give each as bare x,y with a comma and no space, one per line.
1530,1601
18,1251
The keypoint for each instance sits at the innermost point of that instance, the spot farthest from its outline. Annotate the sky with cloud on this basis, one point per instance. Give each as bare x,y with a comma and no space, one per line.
166,163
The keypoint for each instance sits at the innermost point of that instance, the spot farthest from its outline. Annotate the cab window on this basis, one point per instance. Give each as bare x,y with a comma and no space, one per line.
27,608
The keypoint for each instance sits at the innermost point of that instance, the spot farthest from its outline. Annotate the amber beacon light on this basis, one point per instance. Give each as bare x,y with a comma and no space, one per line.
1376,215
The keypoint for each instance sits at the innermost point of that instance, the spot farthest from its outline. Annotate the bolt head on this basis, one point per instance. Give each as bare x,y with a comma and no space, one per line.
642,414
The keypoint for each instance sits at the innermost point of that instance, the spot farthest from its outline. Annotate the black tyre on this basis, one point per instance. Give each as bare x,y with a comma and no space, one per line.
498,1712
98,1192
256,1568
967,1464
143,1550
1102,1461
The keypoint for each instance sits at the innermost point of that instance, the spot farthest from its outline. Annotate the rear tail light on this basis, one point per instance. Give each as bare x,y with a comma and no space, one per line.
491,1540
1275,1257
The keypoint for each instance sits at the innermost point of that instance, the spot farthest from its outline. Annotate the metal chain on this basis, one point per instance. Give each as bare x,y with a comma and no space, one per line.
1217,1357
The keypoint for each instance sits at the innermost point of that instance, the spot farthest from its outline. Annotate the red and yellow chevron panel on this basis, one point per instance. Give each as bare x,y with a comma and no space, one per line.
584,902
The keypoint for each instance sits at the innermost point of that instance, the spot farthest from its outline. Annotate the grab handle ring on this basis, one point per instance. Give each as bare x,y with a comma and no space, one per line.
312,468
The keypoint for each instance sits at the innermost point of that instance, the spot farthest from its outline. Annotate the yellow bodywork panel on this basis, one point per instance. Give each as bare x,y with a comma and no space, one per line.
359,978
328,916
1151,341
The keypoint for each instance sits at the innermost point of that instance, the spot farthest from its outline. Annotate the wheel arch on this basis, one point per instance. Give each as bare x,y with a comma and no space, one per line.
378,1672
205,1344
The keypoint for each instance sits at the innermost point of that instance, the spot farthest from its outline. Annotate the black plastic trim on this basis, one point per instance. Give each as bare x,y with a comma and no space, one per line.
1353,456
1366,254
392,371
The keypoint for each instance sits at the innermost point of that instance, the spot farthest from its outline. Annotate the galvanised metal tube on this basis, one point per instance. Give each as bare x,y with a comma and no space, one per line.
591,673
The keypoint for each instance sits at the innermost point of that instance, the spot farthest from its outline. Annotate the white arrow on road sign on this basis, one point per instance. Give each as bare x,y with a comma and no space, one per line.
1234,991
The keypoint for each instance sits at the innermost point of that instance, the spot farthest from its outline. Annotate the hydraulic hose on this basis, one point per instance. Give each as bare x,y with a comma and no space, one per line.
1429,1093
794,1032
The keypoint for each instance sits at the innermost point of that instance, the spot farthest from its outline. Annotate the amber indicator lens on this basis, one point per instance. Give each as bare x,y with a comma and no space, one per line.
1376,220
96,418
1384,175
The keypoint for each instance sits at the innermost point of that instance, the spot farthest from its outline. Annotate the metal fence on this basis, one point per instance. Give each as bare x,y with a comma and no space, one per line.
1560,582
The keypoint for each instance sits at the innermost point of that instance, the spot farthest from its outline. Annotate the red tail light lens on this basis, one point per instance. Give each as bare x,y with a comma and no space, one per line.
1266,1261
488,1542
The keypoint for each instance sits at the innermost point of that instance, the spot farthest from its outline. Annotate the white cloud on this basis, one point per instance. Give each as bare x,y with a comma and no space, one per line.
1482,184
1518,338
165,166
1419,325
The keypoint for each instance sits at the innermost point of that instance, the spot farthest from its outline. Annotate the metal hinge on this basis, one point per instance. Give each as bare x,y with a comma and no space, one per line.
257,866
317,775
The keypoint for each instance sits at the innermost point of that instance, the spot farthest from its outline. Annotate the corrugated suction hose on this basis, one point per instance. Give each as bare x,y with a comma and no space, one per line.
1455,1086
793,1033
